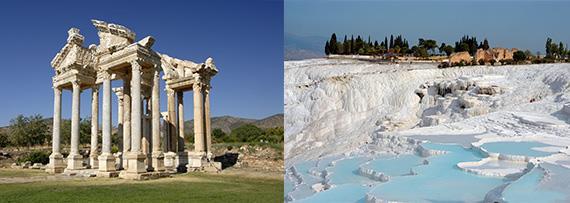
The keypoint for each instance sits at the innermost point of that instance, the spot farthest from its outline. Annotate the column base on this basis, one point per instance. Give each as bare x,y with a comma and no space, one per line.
198,161
181,162
75,162
112,174
124,161
158,161
94,161
143,176
56,164
170,162
107,163
136,162
195,159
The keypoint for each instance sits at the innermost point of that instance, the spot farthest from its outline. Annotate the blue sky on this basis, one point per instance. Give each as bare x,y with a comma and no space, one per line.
523,24
245,38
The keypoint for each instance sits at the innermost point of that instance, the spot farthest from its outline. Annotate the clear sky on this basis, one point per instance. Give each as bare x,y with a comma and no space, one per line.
522,24
245,38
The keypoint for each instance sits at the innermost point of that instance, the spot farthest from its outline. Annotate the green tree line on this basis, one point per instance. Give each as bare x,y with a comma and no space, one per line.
399,46
29,131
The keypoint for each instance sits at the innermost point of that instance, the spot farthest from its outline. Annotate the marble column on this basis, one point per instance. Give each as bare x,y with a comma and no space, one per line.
136,157
93,161
157,155
172,131
126,119
181,156
74,159
180,98
106,159
208,121
120,120
146,138
198,118
56,164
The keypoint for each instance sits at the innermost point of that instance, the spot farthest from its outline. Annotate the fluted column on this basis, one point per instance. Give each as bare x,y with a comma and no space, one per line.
181,156
75,160
126,119
56,164
106,160
147,138
136,113
93,161
56,133
136,157
157,155
198,118
172,130
180,98
120,115
208,120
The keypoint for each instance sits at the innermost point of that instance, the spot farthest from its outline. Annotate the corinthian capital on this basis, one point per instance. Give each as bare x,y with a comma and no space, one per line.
105,75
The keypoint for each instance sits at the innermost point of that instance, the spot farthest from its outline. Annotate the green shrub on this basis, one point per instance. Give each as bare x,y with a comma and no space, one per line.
4,142
519,56
35,157
114,149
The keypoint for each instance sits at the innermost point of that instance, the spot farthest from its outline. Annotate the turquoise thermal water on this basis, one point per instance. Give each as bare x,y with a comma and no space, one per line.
396,166
527,188
438,181
516,148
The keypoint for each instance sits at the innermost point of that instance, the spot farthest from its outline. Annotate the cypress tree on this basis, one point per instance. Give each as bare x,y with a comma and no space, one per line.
333,46
345,46
391,41
548,45
485,44
327,49
561,50
352,44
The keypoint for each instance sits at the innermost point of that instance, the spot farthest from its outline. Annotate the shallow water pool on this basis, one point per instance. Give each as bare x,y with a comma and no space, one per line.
517,148
440,180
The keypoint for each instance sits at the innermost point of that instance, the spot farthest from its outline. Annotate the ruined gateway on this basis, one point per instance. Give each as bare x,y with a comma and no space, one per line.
119,57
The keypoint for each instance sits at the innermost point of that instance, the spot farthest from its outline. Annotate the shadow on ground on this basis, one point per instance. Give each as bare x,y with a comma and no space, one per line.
229,159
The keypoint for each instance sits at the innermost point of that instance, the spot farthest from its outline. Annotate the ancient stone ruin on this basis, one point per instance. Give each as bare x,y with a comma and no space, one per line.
459,57
119,57
489,56
494,55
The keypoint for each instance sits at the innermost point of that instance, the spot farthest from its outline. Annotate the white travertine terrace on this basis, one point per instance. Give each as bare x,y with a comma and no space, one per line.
119,57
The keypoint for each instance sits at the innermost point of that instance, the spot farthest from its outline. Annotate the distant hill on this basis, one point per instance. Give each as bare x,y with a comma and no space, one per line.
228,123
301,47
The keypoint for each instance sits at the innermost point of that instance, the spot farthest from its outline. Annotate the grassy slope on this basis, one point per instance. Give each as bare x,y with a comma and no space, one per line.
195,187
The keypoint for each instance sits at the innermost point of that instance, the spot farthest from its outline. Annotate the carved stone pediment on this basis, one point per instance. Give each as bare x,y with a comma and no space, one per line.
112,37
73,55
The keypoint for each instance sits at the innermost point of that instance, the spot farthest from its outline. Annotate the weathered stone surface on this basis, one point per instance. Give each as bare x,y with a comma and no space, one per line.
485,56
37,166
503,54
460,56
